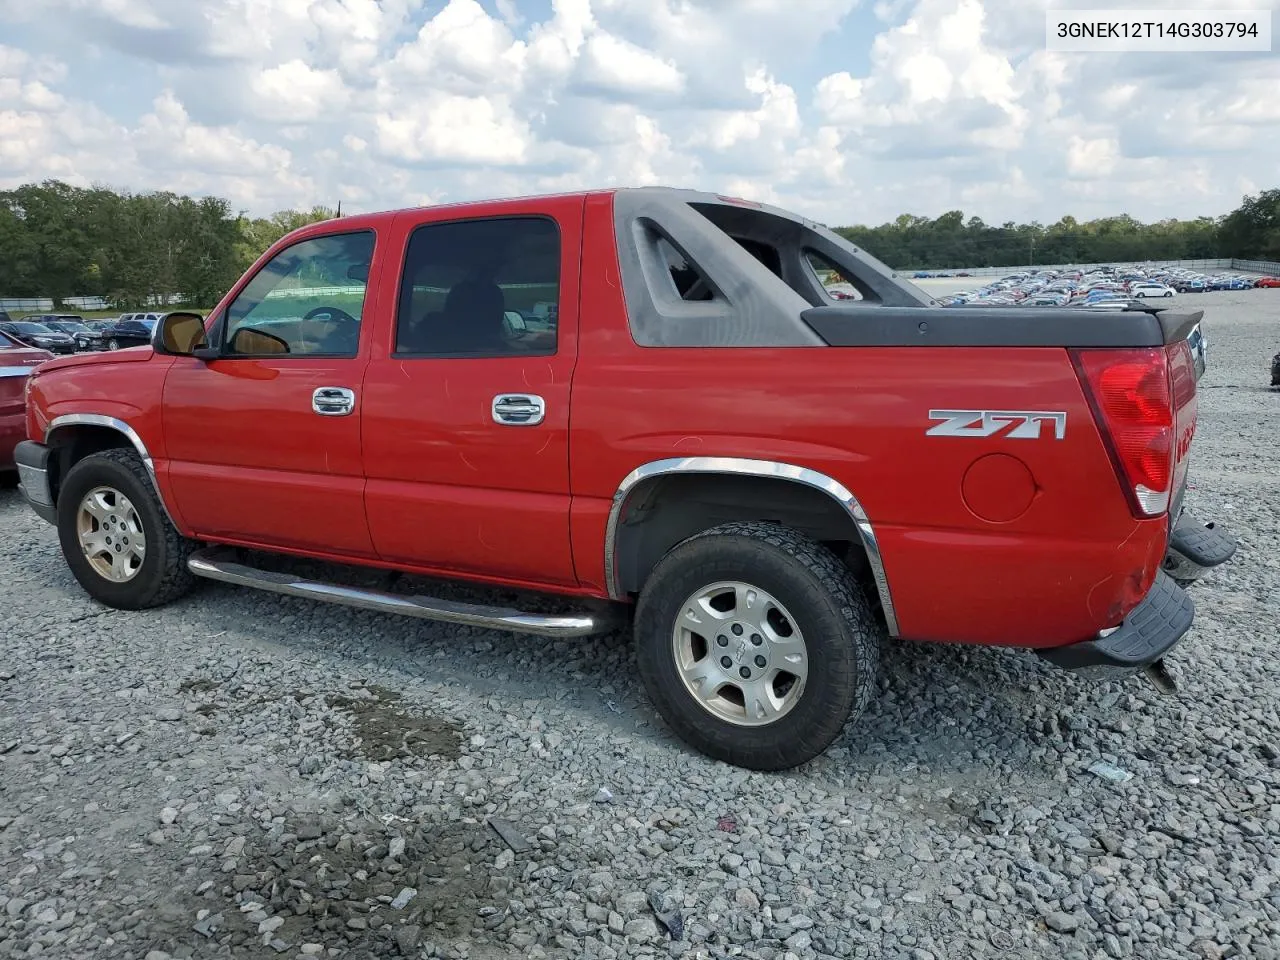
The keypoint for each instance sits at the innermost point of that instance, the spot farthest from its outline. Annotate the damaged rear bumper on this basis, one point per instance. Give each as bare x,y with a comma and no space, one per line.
1162,619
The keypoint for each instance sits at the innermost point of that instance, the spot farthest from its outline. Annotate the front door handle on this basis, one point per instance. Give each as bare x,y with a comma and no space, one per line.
333,401
519,409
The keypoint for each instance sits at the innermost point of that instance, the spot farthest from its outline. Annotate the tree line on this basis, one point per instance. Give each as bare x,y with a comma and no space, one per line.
1250,232
135,249
132,249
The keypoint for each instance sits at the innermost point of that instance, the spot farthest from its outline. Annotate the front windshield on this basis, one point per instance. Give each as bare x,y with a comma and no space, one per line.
31,328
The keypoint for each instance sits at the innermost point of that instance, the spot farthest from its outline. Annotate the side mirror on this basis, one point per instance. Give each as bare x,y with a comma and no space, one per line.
179,334
248,341
358,271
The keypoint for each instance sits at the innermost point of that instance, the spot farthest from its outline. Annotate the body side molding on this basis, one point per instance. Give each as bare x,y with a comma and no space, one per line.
750,468
119,426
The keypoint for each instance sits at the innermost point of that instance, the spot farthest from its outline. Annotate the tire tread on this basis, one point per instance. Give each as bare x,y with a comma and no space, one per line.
853,678
176,579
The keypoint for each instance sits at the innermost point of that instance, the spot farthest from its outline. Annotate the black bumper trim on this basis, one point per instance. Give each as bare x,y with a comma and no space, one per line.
1150,631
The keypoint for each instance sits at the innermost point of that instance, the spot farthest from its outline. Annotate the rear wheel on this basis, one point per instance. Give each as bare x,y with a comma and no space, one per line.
755,644
116,537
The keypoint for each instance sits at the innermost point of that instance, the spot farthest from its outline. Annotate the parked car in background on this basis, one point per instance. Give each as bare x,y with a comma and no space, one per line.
39,336
1268,282
91,337
49,319
1141,290
151,318
131,332
17,360
74,327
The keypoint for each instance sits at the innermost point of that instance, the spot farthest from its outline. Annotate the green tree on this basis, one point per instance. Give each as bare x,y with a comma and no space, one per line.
57,250
1252,231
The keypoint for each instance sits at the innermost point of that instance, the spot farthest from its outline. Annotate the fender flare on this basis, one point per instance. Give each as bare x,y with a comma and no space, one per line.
750,468
126,431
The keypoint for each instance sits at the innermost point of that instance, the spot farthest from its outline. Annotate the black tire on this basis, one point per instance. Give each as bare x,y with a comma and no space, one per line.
163,575
841,634
113,344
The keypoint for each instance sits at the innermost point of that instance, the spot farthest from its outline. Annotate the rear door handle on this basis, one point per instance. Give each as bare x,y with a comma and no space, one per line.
333,401
519,409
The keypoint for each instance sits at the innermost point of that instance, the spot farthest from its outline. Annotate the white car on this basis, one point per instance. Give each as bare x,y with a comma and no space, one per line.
1140,290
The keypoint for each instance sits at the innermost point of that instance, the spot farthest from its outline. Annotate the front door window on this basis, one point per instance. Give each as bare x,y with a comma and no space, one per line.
308,299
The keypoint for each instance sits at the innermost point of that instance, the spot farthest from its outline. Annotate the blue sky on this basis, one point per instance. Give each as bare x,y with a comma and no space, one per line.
847,110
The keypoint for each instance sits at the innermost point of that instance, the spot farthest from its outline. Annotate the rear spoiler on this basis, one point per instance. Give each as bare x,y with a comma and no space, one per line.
980,325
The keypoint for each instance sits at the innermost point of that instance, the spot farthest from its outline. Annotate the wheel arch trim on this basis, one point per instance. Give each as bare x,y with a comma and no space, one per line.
122,428
767,469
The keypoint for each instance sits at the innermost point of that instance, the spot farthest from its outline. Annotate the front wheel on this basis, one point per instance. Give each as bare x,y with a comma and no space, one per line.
113,344
115,536
755,644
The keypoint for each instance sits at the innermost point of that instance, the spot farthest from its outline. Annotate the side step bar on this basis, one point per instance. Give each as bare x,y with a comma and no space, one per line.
216,564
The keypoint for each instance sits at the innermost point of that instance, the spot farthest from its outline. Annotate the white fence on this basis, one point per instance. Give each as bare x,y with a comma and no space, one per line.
71,304
45,305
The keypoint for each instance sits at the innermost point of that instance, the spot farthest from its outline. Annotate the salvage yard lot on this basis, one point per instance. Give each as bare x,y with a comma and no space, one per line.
250,776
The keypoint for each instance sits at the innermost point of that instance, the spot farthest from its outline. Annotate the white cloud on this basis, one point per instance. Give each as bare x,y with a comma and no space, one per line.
918,105
296,93
1092,159
624,69
453,128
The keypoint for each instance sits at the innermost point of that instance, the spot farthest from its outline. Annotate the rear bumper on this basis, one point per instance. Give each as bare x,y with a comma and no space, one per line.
1163,618
32,460
1151,630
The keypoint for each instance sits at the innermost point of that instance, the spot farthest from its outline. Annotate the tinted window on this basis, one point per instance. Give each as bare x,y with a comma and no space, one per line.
31,328
308,299
480,288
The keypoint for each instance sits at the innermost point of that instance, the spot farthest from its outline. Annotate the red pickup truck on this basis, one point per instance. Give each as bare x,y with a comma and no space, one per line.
716,417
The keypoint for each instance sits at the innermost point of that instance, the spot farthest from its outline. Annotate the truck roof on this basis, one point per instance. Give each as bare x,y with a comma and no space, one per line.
495,204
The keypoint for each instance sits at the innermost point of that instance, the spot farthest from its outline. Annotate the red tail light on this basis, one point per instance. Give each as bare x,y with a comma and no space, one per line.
1136,396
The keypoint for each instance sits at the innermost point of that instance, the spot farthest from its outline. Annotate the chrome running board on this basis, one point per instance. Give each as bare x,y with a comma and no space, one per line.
216,564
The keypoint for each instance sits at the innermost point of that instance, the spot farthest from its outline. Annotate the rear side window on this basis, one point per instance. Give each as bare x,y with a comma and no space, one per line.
480,288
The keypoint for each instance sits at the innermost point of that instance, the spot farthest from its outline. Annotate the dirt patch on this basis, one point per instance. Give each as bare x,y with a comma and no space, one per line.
368,889
388,731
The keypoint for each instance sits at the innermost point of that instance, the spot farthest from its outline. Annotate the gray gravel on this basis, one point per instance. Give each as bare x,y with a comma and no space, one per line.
239,774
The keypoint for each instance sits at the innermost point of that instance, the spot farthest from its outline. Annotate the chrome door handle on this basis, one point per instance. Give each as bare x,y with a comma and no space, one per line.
519,409
333,401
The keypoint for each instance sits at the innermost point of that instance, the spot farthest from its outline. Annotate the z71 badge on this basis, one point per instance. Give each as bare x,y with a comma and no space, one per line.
1014,424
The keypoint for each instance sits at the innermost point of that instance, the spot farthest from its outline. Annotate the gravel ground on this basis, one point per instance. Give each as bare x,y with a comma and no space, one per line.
240,774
